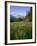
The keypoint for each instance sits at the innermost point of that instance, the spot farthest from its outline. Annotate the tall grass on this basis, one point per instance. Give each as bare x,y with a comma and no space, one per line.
20,30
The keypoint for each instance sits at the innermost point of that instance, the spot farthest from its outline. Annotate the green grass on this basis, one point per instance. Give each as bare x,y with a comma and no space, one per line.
20,30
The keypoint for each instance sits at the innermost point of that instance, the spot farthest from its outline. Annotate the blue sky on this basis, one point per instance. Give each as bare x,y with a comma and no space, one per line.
19,10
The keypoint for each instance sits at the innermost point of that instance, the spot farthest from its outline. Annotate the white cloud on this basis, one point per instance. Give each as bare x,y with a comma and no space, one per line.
16,14
20,13
12,13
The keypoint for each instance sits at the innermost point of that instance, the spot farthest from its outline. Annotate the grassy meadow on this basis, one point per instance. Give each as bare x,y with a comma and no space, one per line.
20,30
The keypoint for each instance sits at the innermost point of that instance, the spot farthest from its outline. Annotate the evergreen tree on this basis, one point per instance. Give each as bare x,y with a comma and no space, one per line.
30,14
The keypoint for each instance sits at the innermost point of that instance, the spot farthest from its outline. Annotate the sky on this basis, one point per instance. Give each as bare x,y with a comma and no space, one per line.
19,10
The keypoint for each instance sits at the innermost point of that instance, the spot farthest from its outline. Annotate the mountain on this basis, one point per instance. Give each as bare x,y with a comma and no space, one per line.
12,18
20,16
16,18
